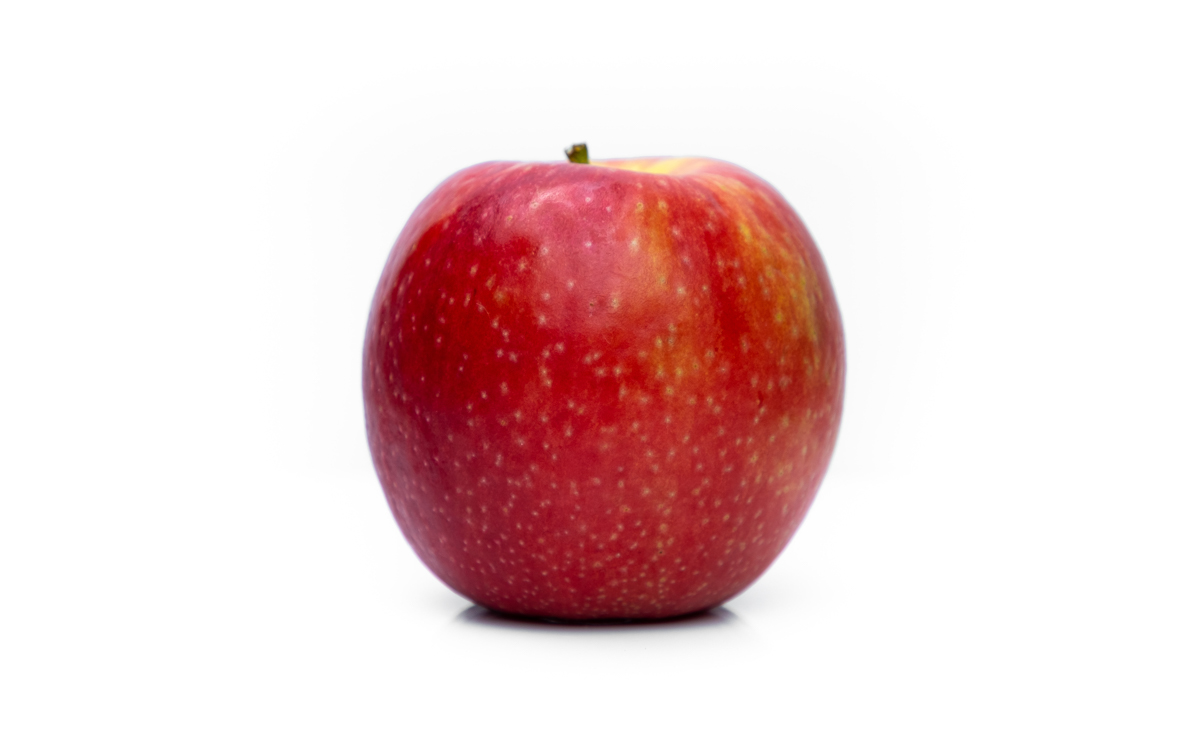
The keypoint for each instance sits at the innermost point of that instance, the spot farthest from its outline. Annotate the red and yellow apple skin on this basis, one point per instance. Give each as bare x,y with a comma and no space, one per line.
602,391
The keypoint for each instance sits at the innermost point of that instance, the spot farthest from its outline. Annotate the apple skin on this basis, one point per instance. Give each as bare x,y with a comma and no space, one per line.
602,391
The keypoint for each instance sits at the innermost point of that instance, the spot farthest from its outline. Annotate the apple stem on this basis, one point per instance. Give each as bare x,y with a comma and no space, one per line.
577,154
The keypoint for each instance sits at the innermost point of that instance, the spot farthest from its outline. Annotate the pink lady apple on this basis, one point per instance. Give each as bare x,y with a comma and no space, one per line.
605,390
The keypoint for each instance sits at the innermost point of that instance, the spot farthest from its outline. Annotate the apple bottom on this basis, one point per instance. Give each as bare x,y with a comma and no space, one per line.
591,556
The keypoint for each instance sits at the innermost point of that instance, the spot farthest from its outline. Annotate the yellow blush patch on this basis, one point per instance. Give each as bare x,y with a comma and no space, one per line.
679,166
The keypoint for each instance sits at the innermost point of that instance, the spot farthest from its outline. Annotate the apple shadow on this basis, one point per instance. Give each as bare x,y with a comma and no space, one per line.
478,616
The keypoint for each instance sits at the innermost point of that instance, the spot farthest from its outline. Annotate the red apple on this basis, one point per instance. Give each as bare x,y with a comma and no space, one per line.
603,390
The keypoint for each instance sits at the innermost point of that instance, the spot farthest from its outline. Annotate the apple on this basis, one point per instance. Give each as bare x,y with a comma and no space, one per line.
602,390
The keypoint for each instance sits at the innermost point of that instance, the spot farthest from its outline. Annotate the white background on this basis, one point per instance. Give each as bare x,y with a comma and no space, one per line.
196,202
